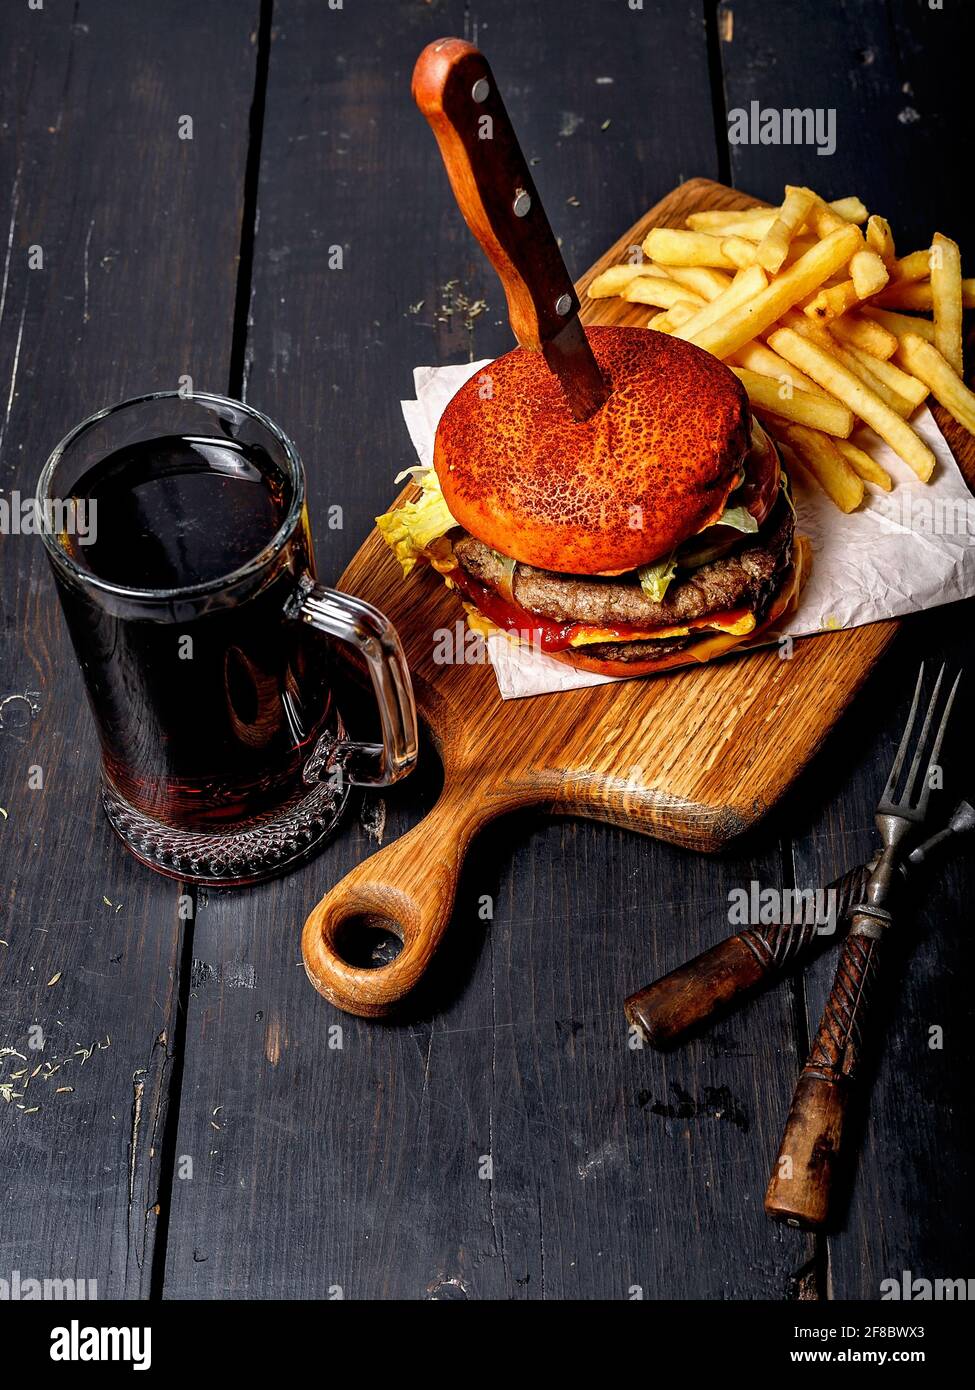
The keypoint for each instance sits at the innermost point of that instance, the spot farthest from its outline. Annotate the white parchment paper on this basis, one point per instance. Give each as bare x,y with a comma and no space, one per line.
902,551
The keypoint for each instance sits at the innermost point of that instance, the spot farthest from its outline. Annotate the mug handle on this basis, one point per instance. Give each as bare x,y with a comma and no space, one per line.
370,632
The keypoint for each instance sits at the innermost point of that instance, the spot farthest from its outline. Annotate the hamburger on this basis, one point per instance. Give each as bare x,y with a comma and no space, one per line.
658,533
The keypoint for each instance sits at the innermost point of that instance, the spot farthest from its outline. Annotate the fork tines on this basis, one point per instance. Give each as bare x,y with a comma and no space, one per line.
912,804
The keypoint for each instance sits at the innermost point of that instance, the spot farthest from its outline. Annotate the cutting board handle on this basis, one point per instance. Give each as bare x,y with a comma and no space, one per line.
454,87
408,888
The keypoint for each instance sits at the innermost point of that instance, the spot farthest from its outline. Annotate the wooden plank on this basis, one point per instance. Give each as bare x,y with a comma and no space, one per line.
358,1166
893,74
139,232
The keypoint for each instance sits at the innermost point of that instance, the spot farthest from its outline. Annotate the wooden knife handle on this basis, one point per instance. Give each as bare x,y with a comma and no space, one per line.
801,1186
718,980
454,87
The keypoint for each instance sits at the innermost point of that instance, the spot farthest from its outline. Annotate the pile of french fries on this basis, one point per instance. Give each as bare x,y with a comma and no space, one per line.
824,324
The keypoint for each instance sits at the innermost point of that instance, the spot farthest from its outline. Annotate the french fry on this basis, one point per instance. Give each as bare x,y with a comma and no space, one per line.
899,324
745,285
798,246
751,319
808,329
902,383
755,224
823,220
946,299
757,357
751,228
919,297
723,217
669,246
829,416
905,296
881,239
614,280
756,230
894,401
680,312
838,479
832,302
704,281
916,266
845,386
866,334
868,273
862,463
774,246
663,293
924,360
739,250
850,208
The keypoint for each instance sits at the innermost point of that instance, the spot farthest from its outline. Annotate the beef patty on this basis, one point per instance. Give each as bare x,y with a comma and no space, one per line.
749,578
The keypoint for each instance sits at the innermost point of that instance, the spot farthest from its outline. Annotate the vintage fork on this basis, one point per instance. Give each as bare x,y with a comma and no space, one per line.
801,1185
718,980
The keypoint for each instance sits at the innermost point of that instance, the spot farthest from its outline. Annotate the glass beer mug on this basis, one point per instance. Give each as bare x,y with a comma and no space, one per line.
178,534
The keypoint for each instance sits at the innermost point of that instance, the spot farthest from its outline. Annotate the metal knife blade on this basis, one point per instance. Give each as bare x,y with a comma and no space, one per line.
570,357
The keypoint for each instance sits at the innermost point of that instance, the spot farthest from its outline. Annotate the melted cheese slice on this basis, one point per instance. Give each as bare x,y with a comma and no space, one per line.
735,622
484,627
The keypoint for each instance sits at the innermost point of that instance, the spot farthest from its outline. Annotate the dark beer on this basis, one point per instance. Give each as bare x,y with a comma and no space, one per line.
207,701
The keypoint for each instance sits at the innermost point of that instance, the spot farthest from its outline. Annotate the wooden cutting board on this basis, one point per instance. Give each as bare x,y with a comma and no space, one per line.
696,756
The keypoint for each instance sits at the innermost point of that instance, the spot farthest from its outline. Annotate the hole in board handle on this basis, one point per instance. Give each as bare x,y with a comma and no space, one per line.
368,940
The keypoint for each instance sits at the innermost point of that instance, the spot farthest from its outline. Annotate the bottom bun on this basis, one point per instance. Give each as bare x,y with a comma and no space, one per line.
707,648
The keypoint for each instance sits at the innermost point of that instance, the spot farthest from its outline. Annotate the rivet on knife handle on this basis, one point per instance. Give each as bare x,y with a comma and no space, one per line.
455,89
721,978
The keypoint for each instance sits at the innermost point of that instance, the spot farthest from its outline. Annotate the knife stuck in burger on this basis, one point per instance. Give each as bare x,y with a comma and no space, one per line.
605,495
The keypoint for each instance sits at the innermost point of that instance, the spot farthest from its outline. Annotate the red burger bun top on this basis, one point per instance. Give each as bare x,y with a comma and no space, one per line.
650,469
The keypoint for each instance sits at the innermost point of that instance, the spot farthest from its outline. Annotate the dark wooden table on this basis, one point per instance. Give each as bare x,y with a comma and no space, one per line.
226,1133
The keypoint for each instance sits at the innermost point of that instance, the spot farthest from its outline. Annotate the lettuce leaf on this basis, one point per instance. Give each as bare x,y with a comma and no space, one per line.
408,530
654,579
738,517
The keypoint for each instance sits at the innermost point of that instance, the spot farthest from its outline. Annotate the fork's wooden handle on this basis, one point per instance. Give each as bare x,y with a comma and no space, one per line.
718,980
801,1186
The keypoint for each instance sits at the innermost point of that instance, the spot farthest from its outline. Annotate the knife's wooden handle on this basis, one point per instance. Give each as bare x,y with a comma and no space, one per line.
713,983
718,980
454,87
801,1186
